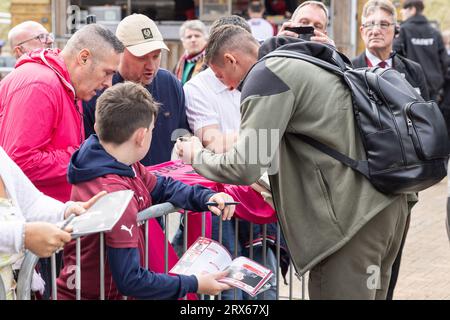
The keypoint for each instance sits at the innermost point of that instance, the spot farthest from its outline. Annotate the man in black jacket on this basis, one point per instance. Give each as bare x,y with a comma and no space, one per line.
420,42
377,31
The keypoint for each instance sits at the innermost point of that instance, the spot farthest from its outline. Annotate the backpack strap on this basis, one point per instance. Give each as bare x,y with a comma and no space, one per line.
371,75
362,166
338,68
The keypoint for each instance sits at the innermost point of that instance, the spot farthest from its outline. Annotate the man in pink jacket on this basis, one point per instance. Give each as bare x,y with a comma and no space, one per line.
41,121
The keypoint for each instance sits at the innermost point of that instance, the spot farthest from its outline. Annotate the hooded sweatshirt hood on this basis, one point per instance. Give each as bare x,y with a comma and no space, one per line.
51,58
92,161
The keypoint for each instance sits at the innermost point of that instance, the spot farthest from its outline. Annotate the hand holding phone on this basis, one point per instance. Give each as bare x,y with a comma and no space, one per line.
304,32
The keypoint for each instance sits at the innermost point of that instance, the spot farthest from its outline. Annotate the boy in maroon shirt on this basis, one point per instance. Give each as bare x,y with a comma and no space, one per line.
125,117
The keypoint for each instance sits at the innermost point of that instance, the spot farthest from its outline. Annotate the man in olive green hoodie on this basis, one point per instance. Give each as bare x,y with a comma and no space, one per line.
336,224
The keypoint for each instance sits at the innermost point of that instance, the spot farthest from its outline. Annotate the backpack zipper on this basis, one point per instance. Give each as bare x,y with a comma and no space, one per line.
412,128
395,122
408,119
409,123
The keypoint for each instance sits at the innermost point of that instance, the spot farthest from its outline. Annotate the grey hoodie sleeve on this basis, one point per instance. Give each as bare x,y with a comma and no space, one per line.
267,105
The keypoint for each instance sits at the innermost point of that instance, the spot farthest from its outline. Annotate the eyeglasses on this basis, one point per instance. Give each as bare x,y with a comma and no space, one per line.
382,25
44,38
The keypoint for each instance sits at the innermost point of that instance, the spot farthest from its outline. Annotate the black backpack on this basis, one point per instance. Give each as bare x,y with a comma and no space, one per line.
405,137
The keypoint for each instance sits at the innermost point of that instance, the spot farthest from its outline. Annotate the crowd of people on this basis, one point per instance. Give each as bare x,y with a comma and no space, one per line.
91,117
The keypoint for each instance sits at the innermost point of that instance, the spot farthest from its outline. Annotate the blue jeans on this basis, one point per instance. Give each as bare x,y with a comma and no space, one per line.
45,269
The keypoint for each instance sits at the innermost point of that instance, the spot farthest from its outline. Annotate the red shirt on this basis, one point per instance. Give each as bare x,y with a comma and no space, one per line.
125,234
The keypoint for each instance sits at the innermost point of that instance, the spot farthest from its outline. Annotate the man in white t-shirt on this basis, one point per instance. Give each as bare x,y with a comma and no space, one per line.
213,113
261,28
212,108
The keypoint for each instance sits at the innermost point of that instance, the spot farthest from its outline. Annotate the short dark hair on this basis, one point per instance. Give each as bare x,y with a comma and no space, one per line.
109,37
230,20
418,4
228,37
121,110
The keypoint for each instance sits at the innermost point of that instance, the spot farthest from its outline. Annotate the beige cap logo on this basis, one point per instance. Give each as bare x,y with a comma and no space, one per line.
140,35
147,33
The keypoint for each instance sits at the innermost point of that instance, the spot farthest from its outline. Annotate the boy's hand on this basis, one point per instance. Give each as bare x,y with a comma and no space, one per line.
208,284
79,207
226,211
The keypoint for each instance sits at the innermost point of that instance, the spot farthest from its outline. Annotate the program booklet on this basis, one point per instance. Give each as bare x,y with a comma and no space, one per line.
103,214
207,255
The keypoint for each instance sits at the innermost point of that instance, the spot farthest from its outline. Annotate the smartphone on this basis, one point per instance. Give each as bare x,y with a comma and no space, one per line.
304,32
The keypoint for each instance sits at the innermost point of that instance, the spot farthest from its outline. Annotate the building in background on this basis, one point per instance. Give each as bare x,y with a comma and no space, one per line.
65,16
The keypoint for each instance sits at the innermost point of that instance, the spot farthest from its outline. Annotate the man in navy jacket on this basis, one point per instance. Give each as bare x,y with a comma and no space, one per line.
141,63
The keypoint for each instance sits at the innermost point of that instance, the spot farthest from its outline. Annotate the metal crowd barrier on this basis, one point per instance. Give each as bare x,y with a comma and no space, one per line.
156,211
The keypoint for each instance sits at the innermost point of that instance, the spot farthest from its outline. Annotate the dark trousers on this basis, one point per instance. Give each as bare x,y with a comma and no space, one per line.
45,269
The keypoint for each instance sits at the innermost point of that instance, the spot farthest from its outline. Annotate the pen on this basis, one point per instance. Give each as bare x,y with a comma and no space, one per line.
215,204
67,221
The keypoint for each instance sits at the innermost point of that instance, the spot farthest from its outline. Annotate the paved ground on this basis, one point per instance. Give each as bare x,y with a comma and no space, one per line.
425,268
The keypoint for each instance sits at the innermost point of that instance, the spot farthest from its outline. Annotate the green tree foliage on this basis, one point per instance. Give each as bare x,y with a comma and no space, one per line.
438,10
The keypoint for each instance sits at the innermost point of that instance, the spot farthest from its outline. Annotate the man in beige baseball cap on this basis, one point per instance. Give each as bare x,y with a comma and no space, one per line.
143,43
140,63
140,35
